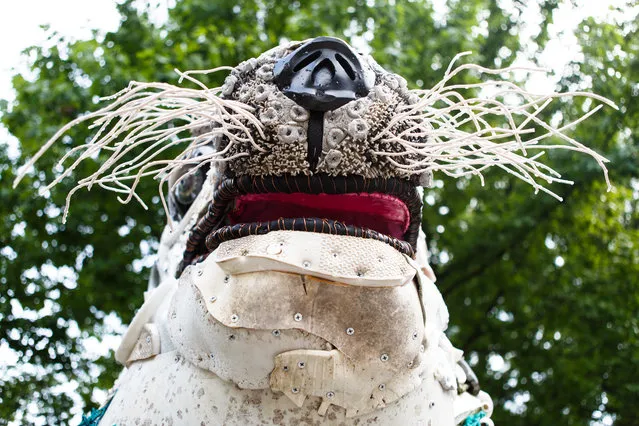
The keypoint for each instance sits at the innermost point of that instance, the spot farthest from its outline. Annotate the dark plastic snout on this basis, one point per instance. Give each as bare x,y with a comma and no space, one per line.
323,74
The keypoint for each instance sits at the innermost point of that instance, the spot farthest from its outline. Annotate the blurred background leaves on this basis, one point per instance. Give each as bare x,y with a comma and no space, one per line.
543,295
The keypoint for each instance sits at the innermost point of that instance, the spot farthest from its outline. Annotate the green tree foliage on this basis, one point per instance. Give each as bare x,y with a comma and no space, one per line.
551,289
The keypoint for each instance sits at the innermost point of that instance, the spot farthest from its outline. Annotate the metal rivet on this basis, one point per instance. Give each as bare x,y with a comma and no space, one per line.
295,390
301,364
410,364
285,368
330,394
227,279
298,317
381,387
384,357
212,299
200,272
350,331
148,339
431,404
234,318
276,333
415,335
212,355
306,264
421,348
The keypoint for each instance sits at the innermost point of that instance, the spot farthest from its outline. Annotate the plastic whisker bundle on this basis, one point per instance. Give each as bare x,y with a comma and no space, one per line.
440,130
153,117
440,117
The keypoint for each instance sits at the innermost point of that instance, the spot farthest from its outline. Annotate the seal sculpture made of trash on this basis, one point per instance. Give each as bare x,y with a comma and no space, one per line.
292,283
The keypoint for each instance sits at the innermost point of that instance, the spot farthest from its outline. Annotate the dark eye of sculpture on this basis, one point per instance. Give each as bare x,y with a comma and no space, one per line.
189,187
189,184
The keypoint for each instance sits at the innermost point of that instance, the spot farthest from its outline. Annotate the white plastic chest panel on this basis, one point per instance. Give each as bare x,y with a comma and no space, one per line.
168,389
381,326
248,361
329,375
244,356
342,258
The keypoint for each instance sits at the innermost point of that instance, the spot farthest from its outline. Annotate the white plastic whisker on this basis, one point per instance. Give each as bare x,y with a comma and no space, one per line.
463,136
142,123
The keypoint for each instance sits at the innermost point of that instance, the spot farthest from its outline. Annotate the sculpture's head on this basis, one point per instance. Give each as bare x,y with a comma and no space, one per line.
320,154
313,136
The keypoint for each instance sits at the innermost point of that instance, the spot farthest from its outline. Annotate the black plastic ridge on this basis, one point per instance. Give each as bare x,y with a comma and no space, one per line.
315,135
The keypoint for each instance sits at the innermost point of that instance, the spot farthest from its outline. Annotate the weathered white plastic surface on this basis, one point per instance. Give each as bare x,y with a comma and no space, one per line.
172,391
218,369
150,307
341,258
147,345
244,356
363,322
217,321
359,388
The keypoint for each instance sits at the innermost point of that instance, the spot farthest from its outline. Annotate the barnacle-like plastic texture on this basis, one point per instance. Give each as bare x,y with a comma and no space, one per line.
351,132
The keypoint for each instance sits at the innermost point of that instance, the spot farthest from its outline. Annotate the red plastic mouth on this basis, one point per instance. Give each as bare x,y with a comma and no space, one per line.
386,210
383,213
